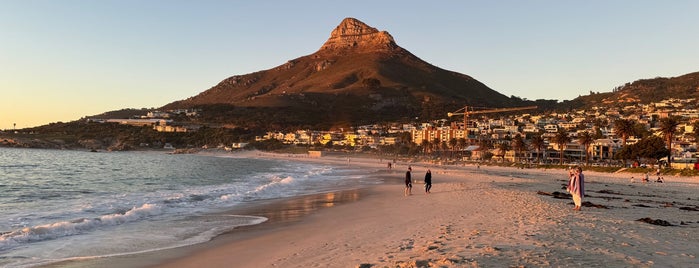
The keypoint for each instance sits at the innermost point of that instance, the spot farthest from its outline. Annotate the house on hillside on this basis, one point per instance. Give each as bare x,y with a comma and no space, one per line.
551,128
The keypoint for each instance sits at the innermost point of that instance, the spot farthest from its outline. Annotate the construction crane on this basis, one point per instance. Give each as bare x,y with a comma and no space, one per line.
465,111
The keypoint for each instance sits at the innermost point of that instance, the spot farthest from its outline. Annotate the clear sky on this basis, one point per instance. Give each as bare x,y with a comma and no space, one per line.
63,60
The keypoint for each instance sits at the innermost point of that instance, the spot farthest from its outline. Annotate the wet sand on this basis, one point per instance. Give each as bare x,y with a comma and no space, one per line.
281,213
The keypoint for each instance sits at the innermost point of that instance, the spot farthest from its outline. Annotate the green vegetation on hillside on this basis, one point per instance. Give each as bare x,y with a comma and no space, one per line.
113,136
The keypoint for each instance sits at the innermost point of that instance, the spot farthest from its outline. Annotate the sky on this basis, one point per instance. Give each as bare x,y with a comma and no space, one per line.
64,60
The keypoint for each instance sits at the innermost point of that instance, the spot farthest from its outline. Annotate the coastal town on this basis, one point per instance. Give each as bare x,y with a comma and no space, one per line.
483,137
593,135
365,134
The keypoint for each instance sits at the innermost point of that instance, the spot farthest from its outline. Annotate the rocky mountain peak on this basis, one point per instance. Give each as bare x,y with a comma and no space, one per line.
358,76
354,34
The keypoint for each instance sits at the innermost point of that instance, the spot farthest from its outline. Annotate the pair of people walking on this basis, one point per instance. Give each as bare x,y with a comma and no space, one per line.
409,181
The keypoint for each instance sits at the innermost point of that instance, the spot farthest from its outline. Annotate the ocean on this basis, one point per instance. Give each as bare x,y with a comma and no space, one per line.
60,205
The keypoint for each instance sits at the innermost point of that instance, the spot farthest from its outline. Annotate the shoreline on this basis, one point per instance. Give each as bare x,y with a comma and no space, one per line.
487,216
280,213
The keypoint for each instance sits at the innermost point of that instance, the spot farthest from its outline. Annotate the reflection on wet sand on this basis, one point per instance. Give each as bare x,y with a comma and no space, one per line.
295,208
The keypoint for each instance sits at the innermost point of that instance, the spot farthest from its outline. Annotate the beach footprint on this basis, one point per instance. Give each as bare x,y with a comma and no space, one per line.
407,244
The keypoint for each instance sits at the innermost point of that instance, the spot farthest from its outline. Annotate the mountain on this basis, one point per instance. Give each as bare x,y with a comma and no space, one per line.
645,91
359,75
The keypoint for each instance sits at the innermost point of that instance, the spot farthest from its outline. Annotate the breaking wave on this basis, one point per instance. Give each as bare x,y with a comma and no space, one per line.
74,227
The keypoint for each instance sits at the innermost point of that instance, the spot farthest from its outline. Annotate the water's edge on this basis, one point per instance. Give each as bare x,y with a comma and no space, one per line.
280,212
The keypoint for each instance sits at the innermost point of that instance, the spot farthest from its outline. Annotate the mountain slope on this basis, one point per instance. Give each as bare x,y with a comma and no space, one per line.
359,73
646,91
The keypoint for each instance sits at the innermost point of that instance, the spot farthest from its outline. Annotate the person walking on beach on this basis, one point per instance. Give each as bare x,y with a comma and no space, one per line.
428,181
576,187
408,182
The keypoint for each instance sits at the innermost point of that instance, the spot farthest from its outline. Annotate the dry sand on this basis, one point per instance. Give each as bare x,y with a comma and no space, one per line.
474,217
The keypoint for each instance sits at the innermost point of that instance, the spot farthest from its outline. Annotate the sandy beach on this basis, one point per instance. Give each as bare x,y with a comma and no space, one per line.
475,217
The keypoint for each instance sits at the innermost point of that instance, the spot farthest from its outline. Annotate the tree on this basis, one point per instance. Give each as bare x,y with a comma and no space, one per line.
426,146
538,143
598,133
487,156
452,145
485,144
436,143
652,147
503,147
695,134
639,130
668,126
518,145
561,139
623,128
444,146
461,144
585,139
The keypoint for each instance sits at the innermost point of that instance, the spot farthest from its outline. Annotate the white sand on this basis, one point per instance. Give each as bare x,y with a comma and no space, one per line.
478,217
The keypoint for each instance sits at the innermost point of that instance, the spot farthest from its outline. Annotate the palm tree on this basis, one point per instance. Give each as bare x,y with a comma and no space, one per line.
452,143
485,145
426,145
503,147
452,146
518,145
444,146
585,139
461,144
538,143
623,128
436,143
561,139
668,126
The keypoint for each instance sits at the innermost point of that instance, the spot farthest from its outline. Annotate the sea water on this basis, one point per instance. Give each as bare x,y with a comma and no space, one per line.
61,205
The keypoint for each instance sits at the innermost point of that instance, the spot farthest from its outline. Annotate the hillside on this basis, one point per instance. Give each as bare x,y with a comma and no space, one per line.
359,75
645,91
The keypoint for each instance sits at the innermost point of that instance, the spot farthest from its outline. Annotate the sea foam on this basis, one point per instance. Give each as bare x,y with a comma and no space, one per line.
74,227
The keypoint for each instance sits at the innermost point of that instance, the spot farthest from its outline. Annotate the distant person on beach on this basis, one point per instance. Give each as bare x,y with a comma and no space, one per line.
408,182
645,177
428,181
576,187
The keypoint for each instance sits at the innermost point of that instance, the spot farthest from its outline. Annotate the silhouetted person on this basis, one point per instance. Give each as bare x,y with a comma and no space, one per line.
408,182
428,181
